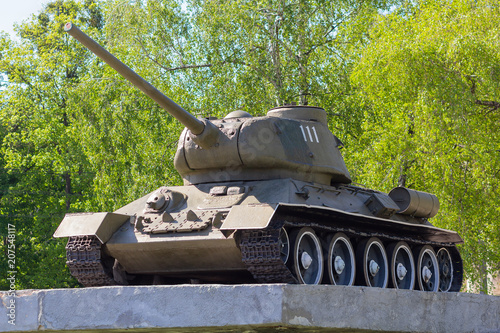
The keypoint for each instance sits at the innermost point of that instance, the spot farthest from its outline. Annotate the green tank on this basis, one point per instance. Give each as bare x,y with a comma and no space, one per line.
265,199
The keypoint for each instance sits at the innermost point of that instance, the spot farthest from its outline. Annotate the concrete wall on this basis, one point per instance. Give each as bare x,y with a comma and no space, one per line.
253,308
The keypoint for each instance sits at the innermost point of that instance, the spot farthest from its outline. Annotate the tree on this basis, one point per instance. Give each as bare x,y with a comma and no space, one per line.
430,76
249,55
45,166
210,65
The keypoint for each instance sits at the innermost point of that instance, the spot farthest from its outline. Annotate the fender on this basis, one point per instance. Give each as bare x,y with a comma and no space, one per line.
102,225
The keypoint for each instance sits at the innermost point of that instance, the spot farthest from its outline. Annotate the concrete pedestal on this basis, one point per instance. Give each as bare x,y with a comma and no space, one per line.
248,308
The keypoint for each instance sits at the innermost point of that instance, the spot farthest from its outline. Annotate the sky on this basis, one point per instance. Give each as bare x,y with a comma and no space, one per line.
16,11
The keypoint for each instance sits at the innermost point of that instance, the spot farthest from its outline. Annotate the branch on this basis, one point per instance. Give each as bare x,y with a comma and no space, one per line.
169,69
187,67
493,105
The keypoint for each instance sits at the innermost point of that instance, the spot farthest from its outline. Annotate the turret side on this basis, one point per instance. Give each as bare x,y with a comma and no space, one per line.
260,148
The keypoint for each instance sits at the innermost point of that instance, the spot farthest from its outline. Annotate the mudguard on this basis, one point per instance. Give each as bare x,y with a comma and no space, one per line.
102,225
260,215
255,216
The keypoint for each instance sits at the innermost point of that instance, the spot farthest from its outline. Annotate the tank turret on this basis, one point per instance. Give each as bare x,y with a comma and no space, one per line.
290,142
265,199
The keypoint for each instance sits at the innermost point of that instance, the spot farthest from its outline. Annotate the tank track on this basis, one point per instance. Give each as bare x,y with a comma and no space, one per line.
260,250
86,263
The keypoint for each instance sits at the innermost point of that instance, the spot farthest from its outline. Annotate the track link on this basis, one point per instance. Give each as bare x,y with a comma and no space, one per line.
260,251
86,263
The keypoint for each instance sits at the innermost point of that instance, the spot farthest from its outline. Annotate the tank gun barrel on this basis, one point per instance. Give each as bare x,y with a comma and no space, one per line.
192,123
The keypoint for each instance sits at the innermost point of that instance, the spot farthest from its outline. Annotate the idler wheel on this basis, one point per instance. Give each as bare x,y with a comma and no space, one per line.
445,269
402,265
307,263
372,263
427,268
341,264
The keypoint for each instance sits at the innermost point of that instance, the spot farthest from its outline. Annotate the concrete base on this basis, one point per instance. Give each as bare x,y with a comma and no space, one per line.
249,308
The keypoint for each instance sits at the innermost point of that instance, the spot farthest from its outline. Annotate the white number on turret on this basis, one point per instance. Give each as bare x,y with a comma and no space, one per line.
311,135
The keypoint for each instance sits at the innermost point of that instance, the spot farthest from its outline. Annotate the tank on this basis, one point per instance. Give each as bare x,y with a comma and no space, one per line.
265,199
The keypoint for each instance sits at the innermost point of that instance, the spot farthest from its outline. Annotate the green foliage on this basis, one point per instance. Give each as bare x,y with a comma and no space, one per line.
246,54
431,77
412,88
76,137
46,172
129,142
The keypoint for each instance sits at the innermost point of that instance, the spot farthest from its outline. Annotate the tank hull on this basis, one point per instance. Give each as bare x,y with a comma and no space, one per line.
266,198
175,254
233,229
